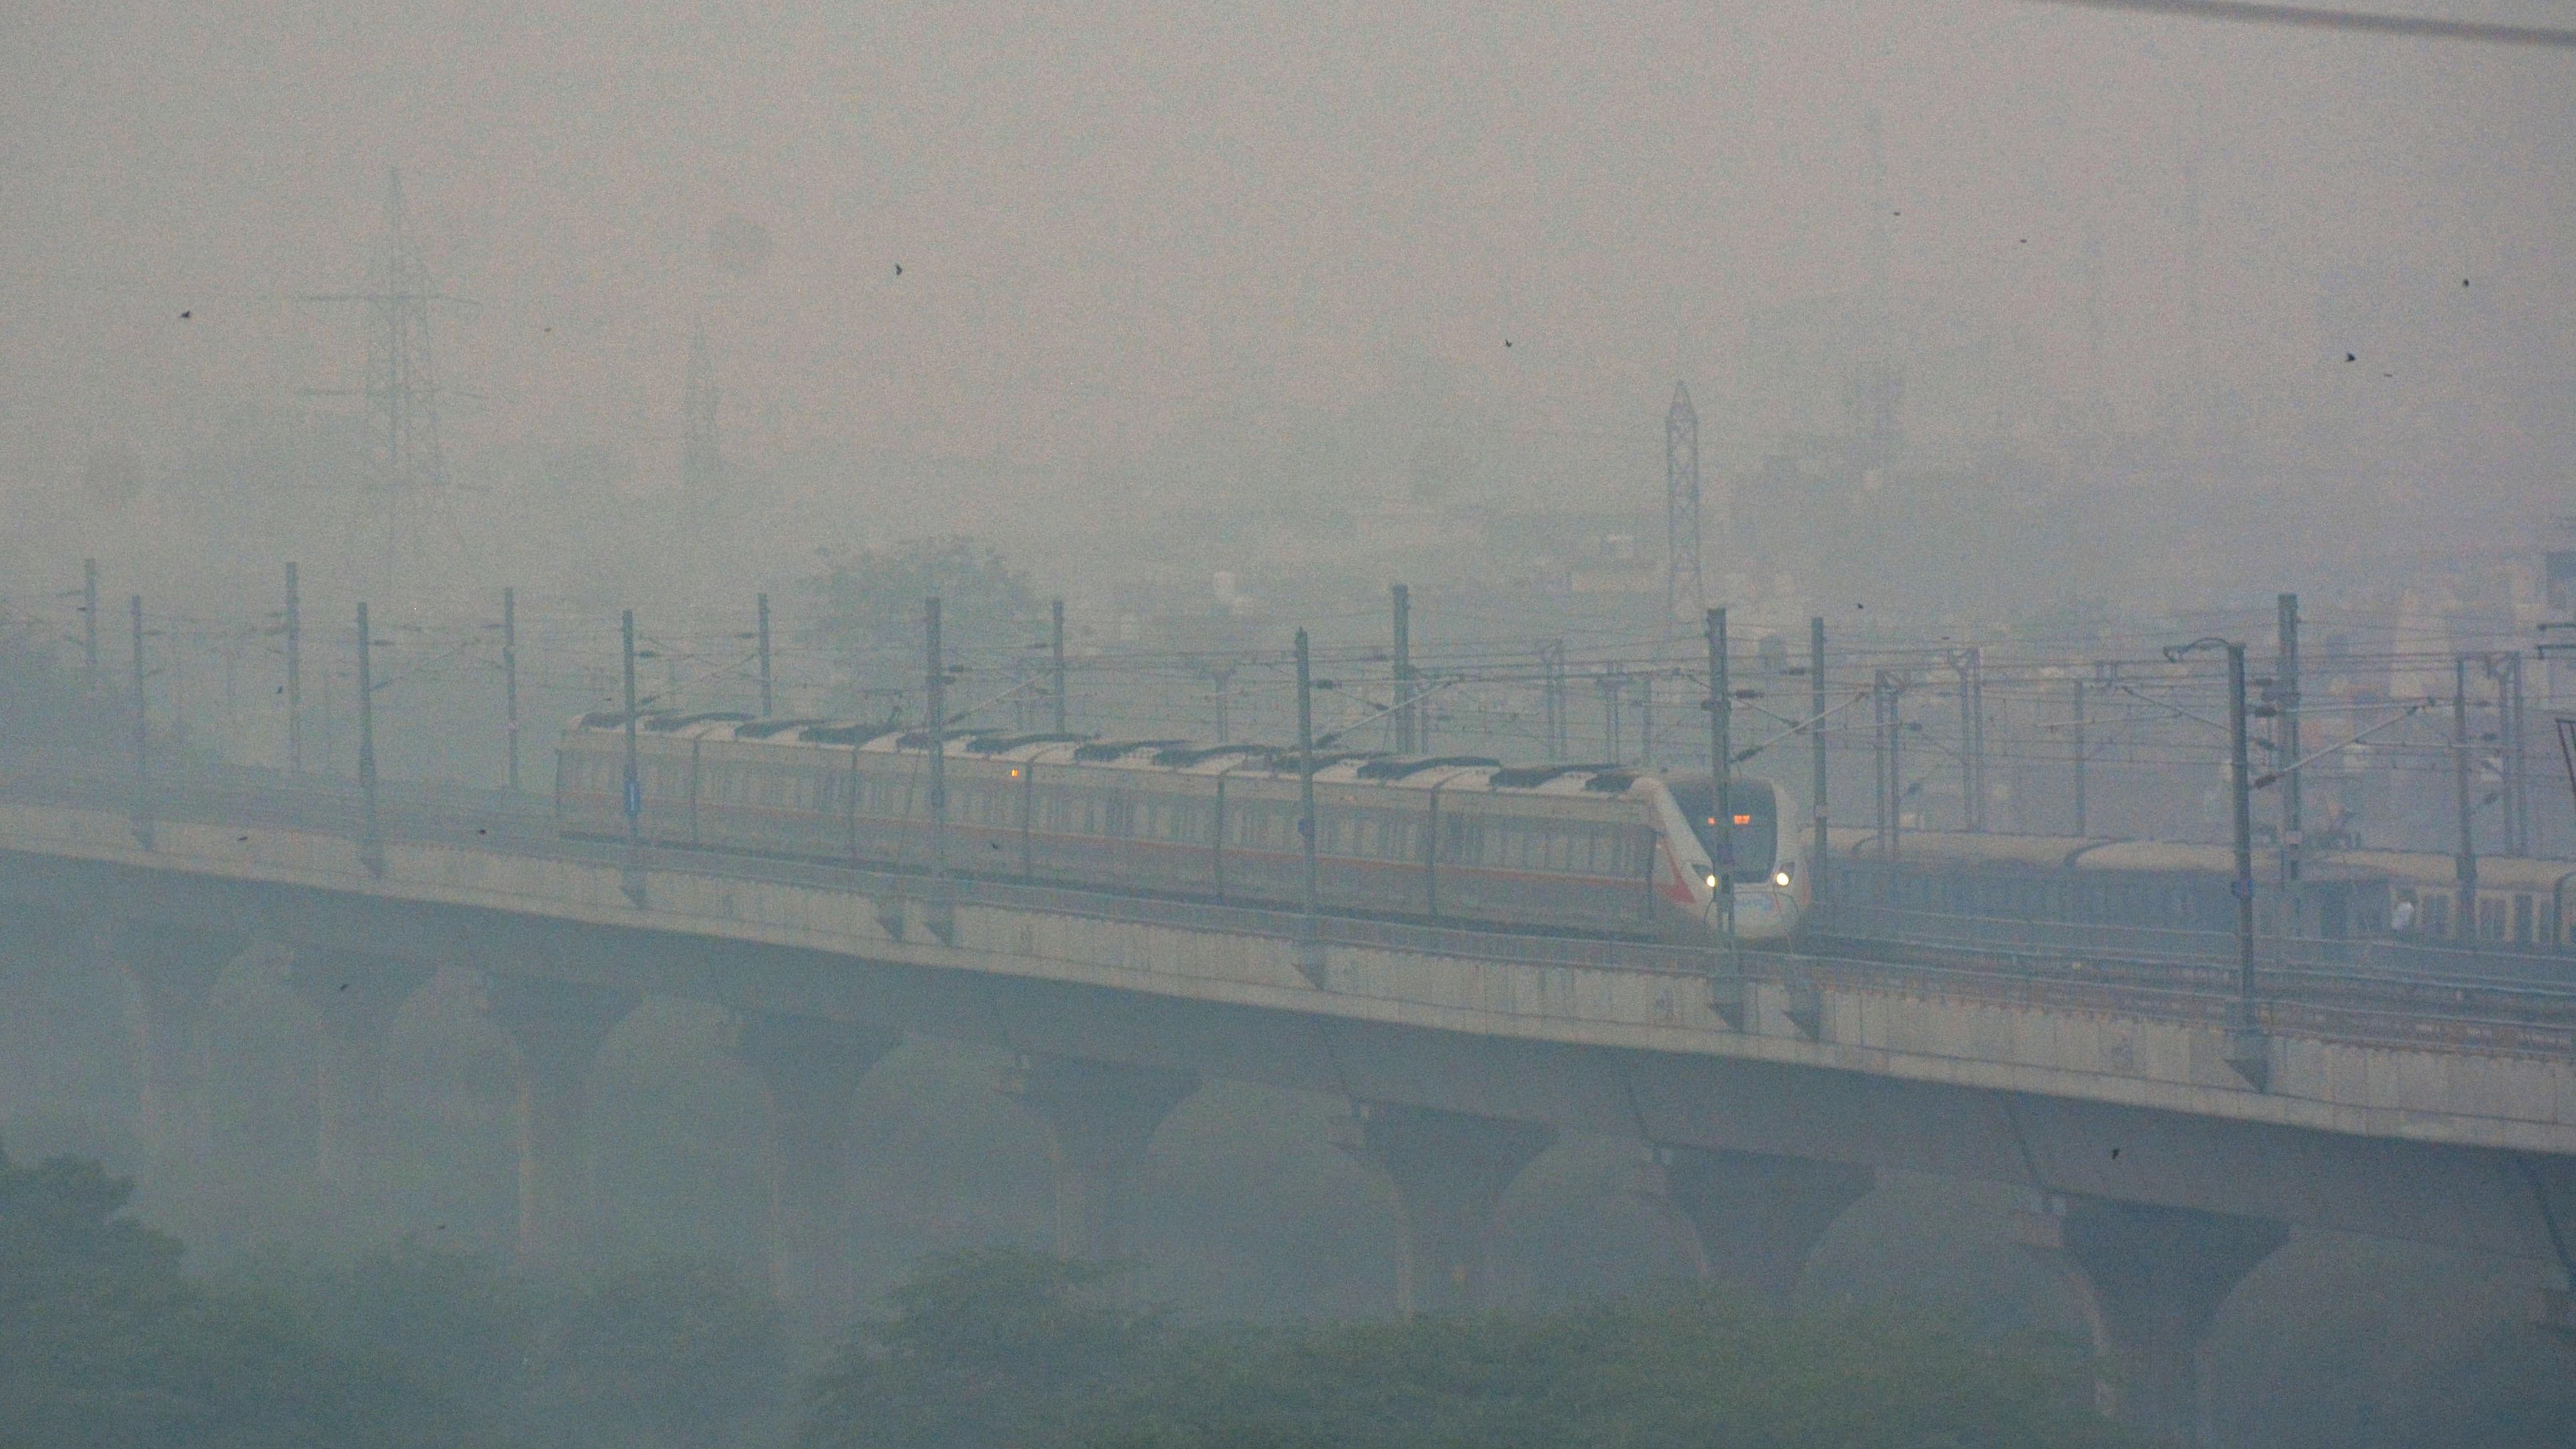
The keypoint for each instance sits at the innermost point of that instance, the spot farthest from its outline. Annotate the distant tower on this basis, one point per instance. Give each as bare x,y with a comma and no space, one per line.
1685,596
401,385
2193,423
701,451
2097,401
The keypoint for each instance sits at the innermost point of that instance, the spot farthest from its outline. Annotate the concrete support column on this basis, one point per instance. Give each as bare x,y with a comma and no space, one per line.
357,997
46,960
173,969
558,1027
1755,1216
1099,1117
2150,1279
809,1070
1449,1170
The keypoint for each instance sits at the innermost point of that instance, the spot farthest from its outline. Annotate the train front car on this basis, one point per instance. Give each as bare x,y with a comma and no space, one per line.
1771,888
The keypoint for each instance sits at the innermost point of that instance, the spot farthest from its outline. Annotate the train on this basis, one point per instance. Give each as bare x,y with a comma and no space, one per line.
2350,904
1454,840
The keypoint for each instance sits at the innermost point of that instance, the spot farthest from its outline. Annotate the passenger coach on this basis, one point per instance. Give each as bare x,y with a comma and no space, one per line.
1577,848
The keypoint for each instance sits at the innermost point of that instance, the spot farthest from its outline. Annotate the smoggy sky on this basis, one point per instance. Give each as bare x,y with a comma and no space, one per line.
1118,222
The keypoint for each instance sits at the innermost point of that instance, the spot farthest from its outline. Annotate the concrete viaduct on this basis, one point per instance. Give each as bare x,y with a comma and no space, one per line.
2158,1174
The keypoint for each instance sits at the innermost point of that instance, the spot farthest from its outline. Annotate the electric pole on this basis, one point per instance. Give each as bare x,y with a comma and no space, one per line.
2465,863
1405,743
631,875
942,920
1645,686
1816,748
1970,667
2247,1052
1222,676
1310,940
89,627
1552,690
634,781
510,677
1058,646
371,849
2516,764
142,733
1721,708
768,696
1888,706
1613,685
294,676
2286,755
2083,753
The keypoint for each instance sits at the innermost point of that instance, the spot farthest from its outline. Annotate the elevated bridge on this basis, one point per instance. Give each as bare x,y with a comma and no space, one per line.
1766,1090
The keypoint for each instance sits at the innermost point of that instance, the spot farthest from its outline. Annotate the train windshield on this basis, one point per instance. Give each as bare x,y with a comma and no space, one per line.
1756,830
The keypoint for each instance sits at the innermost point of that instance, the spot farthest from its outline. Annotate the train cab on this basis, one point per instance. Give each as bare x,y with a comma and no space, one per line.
1768,881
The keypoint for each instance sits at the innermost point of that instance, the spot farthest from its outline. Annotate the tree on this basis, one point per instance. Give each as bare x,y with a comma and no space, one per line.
671,1352
1019,1349
104,1344
1682,1369
995,1346
868,610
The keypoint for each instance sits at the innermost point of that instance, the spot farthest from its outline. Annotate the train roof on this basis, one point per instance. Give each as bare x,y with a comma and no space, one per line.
2511,873
1332,767
2096,854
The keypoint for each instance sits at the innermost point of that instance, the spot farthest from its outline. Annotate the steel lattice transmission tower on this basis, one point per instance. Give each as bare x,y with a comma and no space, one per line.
1685,594
401,383
701,450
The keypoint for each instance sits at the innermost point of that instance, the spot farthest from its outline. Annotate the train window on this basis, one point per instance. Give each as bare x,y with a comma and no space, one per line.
2437,914
1754,834
2490,918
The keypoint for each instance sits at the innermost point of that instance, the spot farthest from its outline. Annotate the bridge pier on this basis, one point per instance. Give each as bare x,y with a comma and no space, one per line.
809,1070
1099,1117
558,1027
174,970
47,1043
357,997
2150,1279
1449,1170
1756,1216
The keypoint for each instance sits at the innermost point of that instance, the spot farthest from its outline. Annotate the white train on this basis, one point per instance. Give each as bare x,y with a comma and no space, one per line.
1589,849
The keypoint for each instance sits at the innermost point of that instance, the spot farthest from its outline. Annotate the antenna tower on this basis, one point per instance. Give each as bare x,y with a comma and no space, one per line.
1684,594
401,383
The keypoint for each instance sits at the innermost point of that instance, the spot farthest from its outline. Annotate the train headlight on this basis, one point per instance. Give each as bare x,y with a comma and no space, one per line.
1712,882
1780,878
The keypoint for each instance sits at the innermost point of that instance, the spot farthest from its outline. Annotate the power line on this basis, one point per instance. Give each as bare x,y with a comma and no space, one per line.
2301,17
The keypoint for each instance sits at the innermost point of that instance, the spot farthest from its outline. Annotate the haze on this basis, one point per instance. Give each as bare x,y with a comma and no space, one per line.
1180,260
